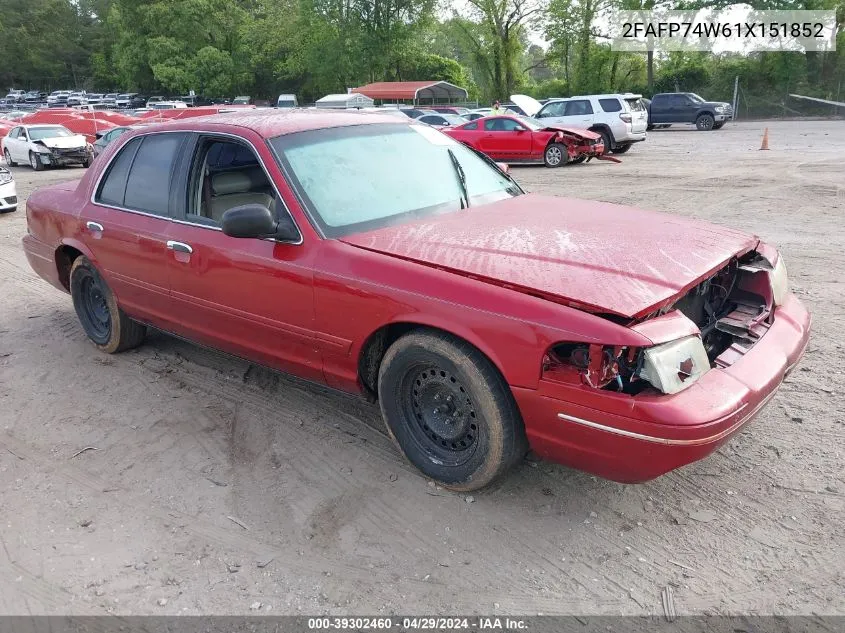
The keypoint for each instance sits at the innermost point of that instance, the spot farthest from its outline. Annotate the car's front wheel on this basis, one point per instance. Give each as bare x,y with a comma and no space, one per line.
555,155
704,122
35,162
9,160
621,149
450,410
104,322
718,126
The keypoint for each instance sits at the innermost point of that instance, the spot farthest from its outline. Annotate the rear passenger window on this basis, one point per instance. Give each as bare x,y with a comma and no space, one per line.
610,105
113,185
148,186
578,107
471,126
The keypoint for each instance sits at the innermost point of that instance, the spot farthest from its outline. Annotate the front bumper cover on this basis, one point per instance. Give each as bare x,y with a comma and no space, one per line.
636,438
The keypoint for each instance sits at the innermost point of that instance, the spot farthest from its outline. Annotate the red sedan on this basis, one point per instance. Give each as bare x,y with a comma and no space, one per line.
384,258
517,139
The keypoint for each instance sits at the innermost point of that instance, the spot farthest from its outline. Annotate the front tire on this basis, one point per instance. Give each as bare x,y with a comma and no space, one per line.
704,122
449,410
718,126
35,163
9,161
555,155
605,139
104,322
621,149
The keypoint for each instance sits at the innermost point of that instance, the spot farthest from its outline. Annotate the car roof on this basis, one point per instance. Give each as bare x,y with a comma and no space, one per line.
620,95
269,122
38,125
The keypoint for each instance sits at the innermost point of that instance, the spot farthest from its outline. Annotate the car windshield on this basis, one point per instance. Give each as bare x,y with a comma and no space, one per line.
40,133
364,177
635,104
531,123
695,97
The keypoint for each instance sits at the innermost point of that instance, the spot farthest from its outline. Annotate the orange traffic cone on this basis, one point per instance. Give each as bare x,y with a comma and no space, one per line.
765,144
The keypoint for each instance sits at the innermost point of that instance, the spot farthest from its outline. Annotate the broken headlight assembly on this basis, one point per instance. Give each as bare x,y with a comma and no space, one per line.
779,281
669,367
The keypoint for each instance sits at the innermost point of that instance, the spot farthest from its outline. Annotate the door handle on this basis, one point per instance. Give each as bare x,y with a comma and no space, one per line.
180,247
94,226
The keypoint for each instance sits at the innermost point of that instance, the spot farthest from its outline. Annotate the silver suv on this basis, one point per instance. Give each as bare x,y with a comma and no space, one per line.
621,119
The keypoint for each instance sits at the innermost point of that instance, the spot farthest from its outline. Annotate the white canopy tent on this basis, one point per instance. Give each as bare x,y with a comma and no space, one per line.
345,101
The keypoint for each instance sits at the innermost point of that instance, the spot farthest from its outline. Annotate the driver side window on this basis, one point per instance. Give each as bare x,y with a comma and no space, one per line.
226,174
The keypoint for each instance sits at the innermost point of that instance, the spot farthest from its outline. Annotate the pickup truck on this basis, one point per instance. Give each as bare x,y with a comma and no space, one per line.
688,107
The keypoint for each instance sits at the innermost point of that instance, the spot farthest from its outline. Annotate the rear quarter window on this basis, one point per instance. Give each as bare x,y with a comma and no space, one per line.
610,105
113,185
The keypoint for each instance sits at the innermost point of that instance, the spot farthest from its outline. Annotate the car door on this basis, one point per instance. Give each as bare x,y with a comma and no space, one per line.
126,223
506,139
11,141
679,107
20,147
250,297
552,113
578,113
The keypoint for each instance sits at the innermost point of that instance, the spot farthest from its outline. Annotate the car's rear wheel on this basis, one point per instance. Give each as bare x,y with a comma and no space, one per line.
35,163
555,155
450,410
9,160
621,149
104,322
704,122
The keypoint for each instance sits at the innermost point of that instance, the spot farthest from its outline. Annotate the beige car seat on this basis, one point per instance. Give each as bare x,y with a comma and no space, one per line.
232,189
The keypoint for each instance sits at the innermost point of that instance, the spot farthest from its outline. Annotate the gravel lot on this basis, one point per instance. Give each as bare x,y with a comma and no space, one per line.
216,486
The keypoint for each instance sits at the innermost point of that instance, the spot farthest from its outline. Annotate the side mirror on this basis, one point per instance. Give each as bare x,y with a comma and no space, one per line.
256,220
504,167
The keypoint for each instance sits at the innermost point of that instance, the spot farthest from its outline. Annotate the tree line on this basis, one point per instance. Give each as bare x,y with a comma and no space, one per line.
315,47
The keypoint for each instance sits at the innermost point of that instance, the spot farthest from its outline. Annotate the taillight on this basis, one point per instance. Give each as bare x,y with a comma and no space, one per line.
625,117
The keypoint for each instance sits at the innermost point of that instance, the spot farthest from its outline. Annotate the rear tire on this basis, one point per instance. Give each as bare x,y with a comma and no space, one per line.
104,322
449,410
9,161
704,122
555,155
621,149
35,162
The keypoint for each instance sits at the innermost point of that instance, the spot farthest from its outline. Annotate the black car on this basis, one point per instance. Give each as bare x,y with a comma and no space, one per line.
130,101
195,101
667,108
35,96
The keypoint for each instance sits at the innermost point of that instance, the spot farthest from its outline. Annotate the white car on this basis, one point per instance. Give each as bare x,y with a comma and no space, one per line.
621,119
41,146
8,194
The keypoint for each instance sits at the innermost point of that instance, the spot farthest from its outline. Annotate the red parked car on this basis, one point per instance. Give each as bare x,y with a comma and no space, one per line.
517,139
382,257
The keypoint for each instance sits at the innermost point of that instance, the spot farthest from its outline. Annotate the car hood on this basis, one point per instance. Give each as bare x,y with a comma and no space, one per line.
594,256
65,142
528,104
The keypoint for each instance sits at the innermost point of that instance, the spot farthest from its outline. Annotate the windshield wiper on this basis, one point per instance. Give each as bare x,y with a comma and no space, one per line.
462,179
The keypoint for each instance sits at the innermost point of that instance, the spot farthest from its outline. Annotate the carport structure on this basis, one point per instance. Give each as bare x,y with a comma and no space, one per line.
417,92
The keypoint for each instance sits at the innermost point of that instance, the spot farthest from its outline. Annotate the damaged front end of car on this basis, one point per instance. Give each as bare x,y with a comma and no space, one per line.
712,324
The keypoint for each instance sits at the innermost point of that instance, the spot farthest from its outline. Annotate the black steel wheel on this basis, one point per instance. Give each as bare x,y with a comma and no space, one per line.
440,413
104,322
449,410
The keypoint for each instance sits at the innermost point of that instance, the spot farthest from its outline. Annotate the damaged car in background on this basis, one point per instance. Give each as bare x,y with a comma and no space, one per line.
42,146
483,319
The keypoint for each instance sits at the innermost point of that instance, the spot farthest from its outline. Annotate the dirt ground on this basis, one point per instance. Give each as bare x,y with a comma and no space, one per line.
212,487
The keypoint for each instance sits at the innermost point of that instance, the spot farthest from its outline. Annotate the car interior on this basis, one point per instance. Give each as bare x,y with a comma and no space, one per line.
228,176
